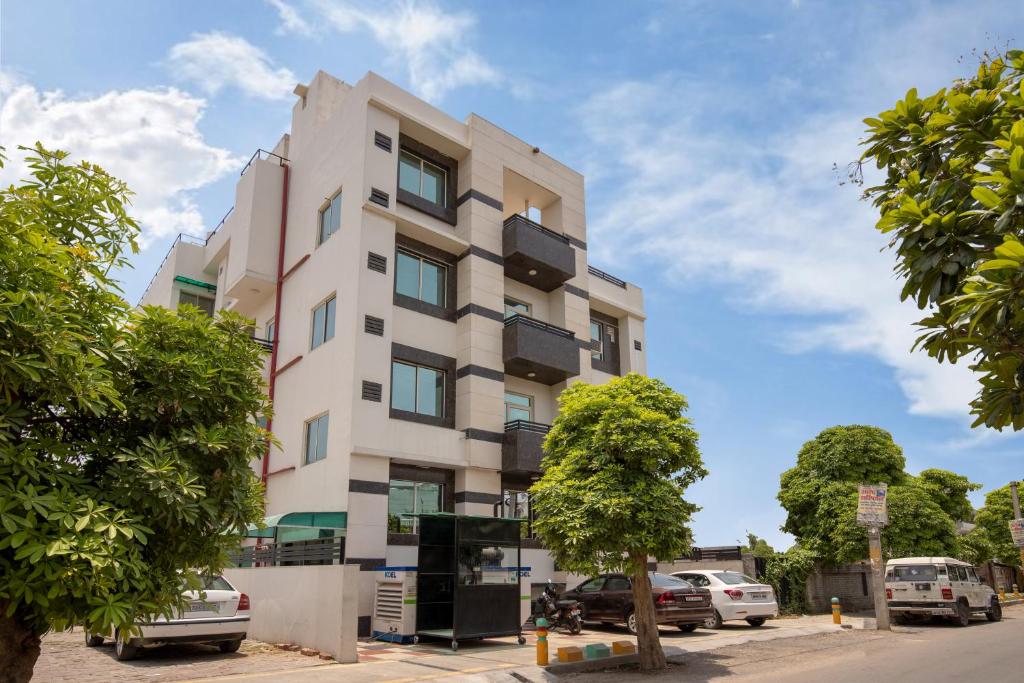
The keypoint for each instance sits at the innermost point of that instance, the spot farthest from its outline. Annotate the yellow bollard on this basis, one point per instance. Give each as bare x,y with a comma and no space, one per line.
837,617
542,642
1002,594
1016,593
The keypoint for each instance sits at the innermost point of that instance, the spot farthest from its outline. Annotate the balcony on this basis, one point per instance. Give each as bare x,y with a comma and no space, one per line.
535,255
523,447
540,352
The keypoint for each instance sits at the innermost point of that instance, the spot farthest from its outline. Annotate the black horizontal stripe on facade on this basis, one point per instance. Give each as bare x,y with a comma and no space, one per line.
477,309
484,435
367,564
484,254
479,371
480,197
380,488
572,289
477,497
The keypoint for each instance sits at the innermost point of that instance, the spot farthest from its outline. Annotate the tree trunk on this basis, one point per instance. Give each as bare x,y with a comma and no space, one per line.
19,649
648,646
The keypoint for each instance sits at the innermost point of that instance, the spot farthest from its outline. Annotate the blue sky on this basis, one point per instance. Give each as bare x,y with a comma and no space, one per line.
707,132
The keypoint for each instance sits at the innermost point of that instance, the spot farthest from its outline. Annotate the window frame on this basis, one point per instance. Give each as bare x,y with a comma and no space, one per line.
423,163
437,257
441,491
515,302
604,356
324,208
447,165
325,303
307,425
269,329
444,268
198,297
416,387
529,407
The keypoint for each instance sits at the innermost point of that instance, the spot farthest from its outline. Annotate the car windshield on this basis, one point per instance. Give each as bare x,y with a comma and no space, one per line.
912,572
733,578
666,581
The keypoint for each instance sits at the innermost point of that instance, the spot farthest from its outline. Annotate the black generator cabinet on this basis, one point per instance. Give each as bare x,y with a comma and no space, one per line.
467,578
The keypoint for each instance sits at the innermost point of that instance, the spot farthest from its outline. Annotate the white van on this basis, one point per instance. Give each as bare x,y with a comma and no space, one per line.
917,587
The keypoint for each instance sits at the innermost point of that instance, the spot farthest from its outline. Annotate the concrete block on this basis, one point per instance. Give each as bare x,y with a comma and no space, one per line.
570,654
596,651
623,647
293,648
309,652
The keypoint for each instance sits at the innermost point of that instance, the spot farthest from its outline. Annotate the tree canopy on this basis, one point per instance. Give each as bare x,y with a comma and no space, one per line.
618,460
993,521
950,201
125,436
820,497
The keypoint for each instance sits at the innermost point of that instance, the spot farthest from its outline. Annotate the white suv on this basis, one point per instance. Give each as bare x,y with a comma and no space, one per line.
917,587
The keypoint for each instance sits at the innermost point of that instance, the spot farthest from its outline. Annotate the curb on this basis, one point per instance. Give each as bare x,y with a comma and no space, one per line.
674,655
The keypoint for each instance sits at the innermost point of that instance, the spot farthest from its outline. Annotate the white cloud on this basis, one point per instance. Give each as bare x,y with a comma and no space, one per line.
431,44
148,138
213,61
291,20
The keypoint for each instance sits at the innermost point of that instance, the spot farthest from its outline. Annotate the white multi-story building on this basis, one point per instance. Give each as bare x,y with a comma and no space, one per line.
423,290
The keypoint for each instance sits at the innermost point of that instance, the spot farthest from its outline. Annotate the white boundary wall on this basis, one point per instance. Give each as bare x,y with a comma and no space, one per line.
314,607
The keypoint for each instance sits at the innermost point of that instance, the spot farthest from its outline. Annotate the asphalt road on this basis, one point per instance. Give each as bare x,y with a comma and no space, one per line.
983,651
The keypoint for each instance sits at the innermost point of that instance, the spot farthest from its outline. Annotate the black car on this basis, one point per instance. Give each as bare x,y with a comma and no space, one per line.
608,598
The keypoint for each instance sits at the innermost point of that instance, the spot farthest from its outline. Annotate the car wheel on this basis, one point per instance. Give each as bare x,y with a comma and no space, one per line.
963,614
995,612
92,640
687,628
631,622
756,621
714,621
230,645
123,649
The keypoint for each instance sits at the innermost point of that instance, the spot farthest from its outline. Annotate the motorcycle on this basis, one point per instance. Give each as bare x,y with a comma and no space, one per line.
564,614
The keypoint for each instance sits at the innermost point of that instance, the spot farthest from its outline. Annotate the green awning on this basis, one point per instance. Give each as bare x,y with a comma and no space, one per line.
195,283
299,520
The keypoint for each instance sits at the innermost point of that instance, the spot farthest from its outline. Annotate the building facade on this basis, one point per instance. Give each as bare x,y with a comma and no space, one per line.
423,290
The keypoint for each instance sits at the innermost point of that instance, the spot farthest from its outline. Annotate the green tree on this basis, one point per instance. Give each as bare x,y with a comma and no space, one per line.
820,497
949,490
758,546
618,459
975,547
125,437
994,520
950,202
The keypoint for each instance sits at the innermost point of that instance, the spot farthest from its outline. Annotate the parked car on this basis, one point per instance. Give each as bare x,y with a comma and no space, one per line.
219,616
608,598
917,587
735,596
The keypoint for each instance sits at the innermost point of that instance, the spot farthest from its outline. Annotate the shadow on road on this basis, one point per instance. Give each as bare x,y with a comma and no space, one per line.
183,653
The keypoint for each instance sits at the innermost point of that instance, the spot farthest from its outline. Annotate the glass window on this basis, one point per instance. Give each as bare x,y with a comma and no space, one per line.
972,575
422,178
316,439
420,278
417,389
697,579
269,330
916,572
617,583
481,564
406,499
330,219
733,578
591,586
518,407
513,307
597,348
515,504
667,581
203,303
323,323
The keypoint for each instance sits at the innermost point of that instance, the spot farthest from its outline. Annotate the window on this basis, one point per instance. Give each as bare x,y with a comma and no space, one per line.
601,335
422,178
916,572
269,330
513,307
518,407
323,323
592,586
316,439
733,578
417,389
406,499
330,219
972,575
617,583
420,278
205,304
667,581
697,580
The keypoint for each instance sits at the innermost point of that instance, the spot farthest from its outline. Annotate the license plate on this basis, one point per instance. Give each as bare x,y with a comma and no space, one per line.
759,596
923,586
202,607
694,598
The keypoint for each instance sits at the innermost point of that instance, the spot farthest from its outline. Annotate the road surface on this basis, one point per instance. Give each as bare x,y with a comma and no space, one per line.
989,652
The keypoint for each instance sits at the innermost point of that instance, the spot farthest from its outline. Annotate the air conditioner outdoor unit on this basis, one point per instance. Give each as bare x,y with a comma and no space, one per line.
394,604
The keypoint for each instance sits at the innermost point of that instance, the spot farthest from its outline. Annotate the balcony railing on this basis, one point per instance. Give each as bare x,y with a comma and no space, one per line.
267,344
213,232
606,277
517,319
328,551
527,426
262,154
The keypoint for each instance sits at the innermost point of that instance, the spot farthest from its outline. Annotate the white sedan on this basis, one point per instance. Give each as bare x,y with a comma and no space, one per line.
219,615
735,596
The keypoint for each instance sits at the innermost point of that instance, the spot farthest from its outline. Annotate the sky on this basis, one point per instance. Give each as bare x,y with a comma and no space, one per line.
708,132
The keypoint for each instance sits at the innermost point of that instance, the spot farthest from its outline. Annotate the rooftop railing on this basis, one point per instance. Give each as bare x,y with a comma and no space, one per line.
536,226
606,277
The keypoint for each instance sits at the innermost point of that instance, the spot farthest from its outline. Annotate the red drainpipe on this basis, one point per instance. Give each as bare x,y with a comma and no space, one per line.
277,312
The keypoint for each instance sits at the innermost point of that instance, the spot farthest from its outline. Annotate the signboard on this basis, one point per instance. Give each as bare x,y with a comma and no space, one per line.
1017,532
871,507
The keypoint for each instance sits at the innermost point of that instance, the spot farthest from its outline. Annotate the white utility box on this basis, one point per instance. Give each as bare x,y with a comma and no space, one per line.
394,604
